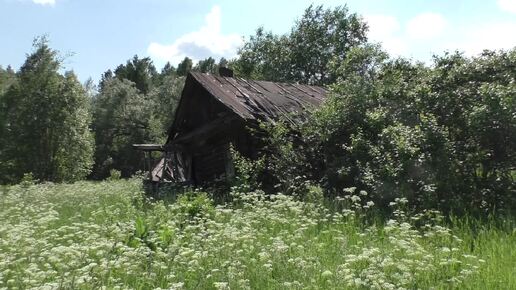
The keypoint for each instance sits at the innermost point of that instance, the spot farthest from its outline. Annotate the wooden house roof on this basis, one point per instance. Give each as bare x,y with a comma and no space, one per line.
260,100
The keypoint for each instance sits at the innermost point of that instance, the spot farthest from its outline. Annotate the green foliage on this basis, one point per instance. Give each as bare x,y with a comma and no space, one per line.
28,180
209,65
206,66
168,70
320,39
165,99
441,136
165,236
247,172
134,105
122,116
114,174
184,66
45,122
116,114
282,154
7,78
139,71
140,229
74,156
195,205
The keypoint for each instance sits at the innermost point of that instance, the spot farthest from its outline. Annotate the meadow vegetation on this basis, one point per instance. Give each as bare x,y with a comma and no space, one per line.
91,235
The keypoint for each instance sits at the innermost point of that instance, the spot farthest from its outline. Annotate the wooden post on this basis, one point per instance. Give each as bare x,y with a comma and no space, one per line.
147,158
164,165
151,162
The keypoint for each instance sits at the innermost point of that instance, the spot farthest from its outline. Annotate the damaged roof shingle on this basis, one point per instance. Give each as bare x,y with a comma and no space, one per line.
262,100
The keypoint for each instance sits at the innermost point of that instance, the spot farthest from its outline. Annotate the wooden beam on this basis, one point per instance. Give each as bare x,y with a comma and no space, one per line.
148,147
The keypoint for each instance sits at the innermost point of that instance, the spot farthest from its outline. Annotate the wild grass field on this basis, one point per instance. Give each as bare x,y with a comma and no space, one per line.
106,235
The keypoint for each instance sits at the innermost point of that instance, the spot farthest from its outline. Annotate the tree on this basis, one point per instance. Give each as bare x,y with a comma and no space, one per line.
184,67
47,120
321,38
223,62
7,78
75,145
90,88
168,70
207,65
105,77
165,99
140,71
122,116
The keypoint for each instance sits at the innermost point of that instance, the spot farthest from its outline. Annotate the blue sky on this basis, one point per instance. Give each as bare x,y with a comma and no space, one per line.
104,33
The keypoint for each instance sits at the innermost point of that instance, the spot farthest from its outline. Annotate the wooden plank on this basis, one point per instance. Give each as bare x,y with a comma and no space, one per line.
148,147
155,174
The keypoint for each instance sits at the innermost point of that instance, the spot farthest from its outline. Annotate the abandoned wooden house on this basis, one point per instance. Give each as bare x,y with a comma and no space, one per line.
216,111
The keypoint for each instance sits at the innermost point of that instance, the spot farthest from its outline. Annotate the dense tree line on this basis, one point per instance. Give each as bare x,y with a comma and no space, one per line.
56,129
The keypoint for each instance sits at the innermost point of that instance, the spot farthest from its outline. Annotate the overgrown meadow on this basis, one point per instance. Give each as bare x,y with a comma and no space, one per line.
91,235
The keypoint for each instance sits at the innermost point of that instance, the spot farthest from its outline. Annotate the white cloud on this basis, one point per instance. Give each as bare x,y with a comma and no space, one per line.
381,25
207,41
492,36
45,2
507,5
385,29
429,33
426,26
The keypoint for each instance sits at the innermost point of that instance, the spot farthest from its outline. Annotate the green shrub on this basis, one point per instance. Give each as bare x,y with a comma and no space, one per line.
442,136
28,180
114,174
195,204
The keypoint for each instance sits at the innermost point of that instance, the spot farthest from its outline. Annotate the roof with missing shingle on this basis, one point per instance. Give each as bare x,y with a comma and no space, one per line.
261,100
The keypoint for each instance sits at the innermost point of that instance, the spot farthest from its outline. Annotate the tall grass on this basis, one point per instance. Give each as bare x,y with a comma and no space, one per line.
90,235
